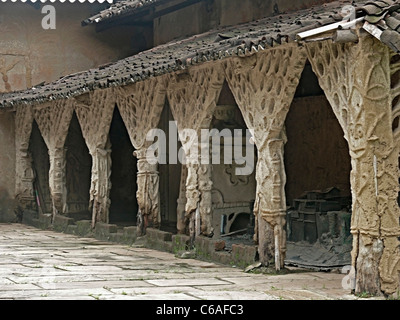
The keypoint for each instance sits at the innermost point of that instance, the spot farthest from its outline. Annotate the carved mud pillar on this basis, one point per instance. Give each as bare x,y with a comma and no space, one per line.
264,85
100,184
198,209
53,120
25,193
270,205
24,174
148,195
94,111
357,82
192,200
193,96
141,105
204,220
181,202
57,182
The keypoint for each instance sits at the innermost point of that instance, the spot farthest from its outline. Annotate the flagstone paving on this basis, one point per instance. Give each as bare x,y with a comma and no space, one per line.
38,264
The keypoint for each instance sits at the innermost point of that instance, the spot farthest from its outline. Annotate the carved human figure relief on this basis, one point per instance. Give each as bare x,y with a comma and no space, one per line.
147,193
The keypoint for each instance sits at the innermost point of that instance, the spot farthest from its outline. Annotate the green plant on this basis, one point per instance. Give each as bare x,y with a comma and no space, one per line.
364,294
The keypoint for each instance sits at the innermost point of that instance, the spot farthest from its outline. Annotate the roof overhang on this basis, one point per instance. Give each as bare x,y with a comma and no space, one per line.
317,24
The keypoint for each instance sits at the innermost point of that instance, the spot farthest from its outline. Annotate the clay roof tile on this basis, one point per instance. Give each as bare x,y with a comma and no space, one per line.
214,44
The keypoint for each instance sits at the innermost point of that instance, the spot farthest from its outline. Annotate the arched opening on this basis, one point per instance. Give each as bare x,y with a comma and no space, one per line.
124,206
233,194
318,194
41,167
169,172
78,172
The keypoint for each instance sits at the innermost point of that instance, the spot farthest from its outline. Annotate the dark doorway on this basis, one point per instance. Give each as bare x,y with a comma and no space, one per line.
233,195
78,172
318,194
41,167
170,174
124,207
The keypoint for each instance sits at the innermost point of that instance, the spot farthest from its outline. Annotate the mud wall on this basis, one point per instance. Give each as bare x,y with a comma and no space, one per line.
227,186
7,167
316,154
30,54
210,14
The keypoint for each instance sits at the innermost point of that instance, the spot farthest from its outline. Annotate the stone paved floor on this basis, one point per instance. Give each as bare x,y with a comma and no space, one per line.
39,264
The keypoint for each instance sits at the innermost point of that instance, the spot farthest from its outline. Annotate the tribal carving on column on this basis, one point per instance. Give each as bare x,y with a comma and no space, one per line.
264,85
395,95
94,111
181,202
395,98
53,120
24,171
198,209
360,86
148,194
141,105
193,96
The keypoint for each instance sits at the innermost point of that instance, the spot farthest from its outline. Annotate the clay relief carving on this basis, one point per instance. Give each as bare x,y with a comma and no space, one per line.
395,94
14,72
100,184
141,105
230,170
4,69
24,173
181,202
94,111
148,196
264,86
193,95
53,121
356,81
